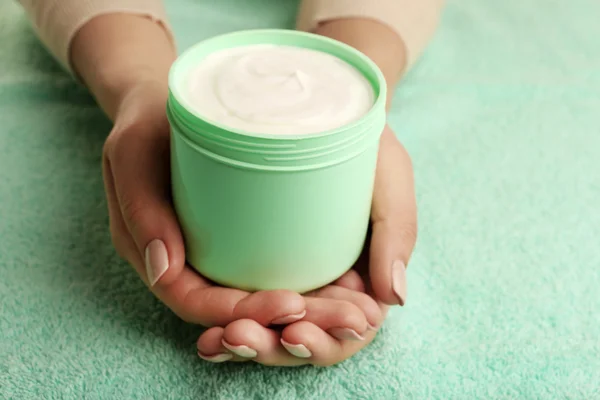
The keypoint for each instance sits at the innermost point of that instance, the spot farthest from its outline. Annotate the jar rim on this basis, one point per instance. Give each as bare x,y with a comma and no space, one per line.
273,36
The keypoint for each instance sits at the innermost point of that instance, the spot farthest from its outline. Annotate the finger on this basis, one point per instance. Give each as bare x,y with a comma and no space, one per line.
249,340
180,288
121,239
306,340
278,307
139,160
394,222
210,347
351,280
219,306
364,302
340,318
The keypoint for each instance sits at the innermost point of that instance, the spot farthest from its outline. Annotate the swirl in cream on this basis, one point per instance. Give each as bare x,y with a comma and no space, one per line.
279,90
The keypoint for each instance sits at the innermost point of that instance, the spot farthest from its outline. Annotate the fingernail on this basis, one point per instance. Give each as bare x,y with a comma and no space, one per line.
288,319
372,327
157,260
241,350
297,350
217,358
345,334
399,281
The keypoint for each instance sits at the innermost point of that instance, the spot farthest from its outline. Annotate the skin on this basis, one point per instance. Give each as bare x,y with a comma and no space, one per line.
124,61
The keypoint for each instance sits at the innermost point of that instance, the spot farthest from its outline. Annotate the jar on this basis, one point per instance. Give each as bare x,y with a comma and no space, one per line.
262,212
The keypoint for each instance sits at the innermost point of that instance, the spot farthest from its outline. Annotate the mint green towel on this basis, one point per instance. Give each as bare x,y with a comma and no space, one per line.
502,118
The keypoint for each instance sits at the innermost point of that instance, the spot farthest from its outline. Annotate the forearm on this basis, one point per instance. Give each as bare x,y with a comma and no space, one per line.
115,52
376,40
393,33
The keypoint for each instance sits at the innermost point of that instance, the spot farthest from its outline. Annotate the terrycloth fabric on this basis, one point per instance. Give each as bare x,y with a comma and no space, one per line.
501,118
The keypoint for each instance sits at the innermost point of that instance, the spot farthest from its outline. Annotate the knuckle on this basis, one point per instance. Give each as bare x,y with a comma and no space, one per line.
108,148
268,297
115,144
183,311
279,296
365,303
407,233
242,309
115,150
346,308
133,210
351,280
349,314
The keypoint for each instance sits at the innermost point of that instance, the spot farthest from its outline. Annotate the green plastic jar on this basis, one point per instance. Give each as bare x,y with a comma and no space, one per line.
261,212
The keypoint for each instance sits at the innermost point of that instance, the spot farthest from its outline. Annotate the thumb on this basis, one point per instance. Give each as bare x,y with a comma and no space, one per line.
139,160
394,222
390,251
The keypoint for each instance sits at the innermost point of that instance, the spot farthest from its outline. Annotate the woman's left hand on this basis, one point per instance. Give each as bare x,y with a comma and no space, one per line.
375,282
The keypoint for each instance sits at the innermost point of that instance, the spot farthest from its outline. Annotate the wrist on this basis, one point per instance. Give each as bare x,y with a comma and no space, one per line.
374,39
144,106
116,54
118,94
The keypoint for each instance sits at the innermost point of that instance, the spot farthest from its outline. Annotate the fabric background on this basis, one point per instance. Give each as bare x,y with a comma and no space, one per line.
501,117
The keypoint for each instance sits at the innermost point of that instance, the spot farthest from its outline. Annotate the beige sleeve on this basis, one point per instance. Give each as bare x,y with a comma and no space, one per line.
57,21
414,20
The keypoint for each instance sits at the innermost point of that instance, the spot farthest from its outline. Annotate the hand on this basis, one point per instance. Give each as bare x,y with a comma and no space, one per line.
145,230
124,60
144,227
377,280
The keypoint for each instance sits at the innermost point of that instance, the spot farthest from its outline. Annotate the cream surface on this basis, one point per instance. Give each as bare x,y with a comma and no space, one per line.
278,90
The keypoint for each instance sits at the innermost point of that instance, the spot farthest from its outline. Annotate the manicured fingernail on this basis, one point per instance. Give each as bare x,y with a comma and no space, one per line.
288,319
217,358
241,350
345,334
297,350
399,281
157,260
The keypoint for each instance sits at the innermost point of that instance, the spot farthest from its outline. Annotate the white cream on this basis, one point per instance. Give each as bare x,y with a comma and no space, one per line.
280,90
